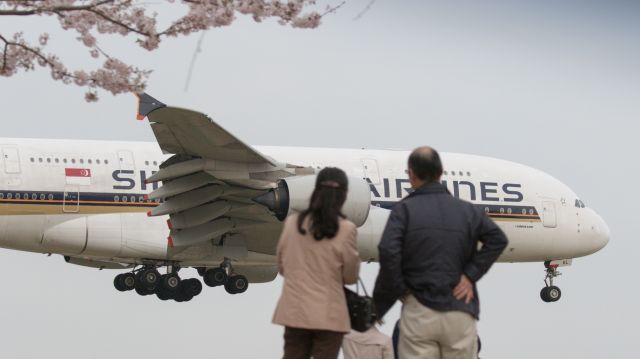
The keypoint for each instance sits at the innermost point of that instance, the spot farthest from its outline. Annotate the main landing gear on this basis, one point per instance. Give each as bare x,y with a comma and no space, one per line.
225,276
550,293
148,281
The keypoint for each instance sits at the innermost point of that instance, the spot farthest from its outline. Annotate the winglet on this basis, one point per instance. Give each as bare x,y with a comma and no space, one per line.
146,105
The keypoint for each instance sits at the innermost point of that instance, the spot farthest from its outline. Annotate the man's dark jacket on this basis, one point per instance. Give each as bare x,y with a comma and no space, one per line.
430,240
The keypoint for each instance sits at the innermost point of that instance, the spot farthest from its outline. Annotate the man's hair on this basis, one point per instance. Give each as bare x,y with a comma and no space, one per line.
425,164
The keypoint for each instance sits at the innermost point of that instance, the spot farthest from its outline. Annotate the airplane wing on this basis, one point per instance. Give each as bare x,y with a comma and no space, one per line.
209,183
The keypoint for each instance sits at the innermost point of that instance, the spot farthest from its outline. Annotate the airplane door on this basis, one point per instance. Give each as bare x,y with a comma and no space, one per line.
125,160
71,201
11,159
371,171
549,217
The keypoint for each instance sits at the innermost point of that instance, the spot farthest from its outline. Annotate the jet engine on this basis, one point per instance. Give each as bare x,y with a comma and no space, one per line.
293,195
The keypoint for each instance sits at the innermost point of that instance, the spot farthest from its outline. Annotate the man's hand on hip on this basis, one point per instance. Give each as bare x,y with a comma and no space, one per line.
464,290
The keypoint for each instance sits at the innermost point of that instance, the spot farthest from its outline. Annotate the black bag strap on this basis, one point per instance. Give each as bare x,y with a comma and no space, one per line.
359,284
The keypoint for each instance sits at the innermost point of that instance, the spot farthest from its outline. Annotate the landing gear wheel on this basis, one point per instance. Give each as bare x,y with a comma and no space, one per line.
554,293
149,278
142,290
128,281
117,282
170,282
201,271
164,294
237,284
189,288
544,295
215,277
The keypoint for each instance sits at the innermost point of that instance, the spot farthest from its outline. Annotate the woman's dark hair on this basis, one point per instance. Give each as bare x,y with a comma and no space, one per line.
325,207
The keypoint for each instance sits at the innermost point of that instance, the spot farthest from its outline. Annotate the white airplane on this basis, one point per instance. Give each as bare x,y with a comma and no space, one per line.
211,202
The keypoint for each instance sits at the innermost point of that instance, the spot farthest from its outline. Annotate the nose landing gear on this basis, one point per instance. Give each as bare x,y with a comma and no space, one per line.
550,293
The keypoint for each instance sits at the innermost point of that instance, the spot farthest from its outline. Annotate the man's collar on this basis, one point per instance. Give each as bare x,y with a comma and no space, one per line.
430,188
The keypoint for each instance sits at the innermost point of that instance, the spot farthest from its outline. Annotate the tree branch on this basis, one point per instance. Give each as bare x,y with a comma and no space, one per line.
4,54
114,21
45,9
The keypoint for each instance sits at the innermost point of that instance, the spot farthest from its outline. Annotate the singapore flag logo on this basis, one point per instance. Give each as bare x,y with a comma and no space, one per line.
78,176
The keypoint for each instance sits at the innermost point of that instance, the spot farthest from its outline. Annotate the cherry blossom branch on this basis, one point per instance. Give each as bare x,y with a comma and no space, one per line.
90,19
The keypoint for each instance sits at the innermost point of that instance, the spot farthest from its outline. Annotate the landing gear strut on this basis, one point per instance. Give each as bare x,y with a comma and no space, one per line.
550,293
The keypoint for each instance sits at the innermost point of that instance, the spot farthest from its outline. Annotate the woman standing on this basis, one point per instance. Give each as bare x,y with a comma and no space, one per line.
317,255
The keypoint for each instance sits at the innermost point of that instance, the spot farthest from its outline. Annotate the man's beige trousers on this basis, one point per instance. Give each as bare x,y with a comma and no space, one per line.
429,334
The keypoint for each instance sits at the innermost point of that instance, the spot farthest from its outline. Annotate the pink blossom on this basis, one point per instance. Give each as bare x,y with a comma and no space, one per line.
93,19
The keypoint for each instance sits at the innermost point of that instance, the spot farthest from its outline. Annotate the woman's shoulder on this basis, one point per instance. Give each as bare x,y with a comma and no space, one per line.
291,220
346,225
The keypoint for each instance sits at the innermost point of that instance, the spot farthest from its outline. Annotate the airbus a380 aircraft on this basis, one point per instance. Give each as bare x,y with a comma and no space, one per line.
209,201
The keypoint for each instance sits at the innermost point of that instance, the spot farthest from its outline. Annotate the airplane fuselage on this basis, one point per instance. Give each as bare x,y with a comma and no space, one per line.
86,199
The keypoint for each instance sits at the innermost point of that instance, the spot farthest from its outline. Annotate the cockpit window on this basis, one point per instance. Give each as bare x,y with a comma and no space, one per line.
580,204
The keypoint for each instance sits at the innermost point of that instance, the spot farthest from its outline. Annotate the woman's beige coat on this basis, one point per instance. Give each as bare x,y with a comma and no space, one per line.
315,273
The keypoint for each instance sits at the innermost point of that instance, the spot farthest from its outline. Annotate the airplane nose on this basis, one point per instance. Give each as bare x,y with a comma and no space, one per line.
601,233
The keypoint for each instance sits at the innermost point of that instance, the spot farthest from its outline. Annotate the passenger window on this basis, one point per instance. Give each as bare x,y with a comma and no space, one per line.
97,161
34,196
486,209
124,198
33,159
501,210
57,160
64,160
48,160
524,211
42,197
73,160
89,161
1,195
509,211
81,160
9,195
469,174
40,159
116,198
106,162
50,197
17,195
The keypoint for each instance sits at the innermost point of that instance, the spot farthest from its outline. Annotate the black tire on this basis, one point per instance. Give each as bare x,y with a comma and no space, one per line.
215,277
186,290
201,271
117,282
143,291
128,281
170,282
164,294
554,293
149,278
191,287
237,284
544,295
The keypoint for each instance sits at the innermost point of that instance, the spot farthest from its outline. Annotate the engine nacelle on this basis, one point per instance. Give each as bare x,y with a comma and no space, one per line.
293,195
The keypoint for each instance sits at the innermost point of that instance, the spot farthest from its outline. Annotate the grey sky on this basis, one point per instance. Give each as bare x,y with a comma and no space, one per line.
554,85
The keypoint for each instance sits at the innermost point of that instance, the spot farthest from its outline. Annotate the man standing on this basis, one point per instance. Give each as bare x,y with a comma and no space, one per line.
429,259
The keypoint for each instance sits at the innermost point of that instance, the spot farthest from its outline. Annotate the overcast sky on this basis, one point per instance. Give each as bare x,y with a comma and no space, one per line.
554,85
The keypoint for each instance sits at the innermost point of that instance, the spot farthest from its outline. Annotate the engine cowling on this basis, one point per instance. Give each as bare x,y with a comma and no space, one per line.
293,195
